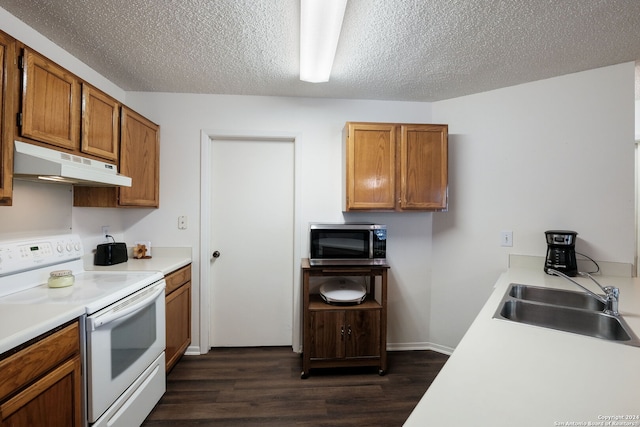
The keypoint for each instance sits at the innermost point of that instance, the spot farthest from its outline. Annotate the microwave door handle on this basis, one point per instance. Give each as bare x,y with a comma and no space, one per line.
371,239
97,322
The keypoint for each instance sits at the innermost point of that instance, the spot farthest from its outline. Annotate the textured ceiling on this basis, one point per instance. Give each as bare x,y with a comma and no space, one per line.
413,50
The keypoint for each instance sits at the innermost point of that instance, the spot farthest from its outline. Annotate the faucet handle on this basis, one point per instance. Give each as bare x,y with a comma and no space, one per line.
613,296
612,290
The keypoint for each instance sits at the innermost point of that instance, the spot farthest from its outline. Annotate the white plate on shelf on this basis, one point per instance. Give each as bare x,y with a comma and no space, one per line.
342,291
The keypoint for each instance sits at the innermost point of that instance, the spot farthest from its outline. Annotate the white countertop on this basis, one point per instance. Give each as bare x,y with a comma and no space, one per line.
164,260
19,322
505,373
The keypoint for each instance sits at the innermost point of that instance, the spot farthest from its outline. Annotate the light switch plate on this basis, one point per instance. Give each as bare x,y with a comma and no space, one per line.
506,238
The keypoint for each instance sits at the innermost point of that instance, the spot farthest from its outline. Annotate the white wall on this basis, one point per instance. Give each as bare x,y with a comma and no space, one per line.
637,119
553,154
37,209
319,122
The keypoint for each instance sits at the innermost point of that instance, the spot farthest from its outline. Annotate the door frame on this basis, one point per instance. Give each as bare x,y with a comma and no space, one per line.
207,137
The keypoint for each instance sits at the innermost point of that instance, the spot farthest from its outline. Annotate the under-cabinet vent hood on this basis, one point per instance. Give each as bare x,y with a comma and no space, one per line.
35,163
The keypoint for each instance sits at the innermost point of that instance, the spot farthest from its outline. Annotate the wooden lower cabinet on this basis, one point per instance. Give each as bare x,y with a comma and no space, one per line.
344,336
178,314
41,384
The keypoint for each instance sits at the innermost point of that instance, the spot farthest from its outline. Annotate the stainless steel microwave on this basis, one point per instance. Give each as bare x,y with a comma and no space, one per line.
347,244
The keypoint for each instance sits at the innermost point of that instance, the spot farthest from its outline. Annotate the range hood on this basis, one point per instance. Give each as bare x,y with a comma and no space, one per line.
35,163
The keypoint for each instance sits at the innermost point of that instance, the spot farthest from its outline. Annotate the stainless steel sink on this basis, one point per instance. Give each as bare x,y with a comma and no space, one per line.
556,297
559,310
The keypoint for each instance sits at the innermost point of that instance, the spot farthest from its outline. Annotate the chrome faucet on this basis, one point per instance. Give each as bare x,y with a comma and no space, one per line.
611,294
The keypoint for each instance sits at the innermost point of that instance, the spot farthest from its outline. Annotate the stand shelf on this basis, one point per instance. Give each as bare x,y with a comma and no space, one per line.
344,335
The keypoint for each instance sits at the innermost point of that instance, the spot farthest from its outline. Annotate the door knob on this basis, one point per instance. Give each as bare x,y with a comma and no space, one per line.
216,254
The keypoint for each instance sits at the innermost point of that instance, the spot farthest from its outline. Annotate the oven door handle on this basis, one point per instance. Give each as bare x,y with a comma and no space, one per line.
128,311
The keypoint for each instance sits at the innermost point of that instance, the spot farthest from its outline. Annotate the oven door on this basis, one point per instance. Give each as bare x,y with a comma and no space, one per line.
123,340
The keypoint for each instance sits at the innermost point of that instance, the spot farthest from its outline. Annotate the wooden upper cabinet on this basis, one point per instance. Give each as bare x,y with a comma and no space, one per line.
58,109
50,102
139,159
423,167
394,166
8,87
100,124
370,166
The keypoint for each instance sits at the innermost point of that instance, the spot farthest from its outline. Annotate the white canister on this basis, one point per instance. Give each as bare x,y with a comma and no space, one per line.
60,279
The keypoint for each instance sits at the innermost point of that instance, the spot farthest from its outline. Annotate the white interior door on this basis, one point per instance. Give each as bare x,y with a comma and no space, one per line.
252,227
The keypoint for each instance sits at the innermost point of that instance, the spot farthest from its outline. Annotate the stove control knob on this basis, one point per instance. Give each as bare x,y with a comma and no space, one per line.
69,247
77,247
60,248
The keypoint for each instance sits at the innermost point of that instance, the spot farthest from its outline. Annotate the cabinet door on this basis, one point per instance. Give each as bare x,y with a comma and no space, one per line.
139,159
423,167
7,117
363,333
370,166
178,312
54,400
100,124
50,102
327,334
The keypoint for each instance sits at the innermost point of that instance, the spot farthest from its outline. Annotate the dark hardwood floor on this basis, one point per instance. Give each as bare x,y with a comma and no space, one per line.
262,386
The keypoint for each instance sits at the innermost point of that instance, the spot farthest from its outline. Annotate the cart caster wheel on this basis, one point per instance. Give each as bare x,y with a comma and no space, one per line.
382,372
304,375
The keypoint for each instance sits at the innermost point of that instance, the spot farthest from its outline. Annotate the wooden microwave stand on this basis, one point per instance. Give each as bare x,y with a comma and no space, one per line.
344,335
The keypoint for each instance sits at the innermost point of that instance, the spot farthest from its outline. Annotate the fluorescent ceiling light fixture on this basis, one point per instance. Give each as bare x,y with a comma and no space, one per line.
320,25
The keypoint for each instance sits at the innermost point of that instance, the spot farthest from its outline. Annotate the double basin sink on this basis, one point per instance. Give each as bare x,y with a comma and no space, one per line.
564,310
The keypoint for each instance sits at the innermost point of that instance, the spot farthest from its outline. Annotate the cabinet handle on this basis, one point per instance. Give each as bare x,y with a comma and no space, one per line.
349,331
342,332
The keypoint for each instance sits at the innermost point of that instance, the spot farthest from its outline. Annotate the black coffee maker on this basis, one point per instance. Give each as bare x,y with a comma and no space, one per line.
561,252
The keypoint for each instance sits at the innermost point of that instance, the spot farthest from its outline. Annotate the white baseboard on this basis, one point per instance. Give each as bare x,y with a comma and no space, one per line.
419,346
195,350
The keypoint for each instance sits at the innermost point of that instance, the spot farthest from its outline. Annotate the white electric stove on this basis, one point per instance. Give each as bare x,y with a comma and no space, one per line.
25,266
123,326
92,289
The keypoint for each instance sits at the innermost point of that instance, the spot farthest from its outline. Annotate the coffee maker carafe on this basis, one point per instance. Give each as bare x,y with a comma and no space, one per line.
561,252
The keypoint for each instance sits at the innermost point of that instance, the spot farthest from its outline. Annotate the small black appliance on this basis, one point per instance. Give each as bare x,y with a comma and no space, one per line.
561,252
110,253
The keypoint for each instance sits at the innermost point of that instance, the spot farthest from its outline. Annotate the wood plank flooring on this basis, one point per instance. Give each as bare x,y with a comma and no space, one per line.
262,386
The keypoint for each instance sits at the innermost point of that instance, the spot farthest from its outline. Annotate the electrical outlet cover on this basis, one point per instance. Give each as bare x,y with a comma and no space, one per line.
147,244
